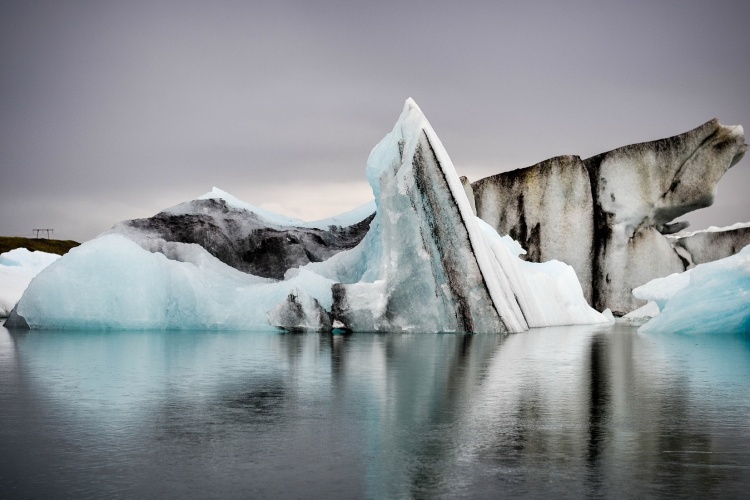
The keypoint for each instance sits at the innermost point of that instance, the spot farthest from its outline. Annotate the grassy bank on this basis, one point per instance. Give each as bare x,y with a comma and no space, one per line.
51,246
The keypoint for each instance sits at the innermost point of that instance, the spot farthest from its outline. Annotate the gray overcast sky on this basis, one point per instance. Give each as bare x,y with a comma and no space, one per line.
116,110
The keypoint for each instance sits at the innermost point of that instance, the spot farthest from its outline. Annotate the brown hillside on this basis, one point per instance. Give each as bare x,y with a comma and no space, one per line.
59,247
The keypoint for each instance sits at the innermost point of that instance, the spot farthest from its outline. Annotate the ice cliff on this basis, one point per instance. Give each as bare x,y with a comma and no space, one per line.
608,216
423,263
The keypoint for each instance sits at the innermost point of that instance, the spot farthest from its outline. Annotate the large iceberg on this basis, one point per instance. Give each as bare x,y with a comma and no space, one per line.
113,282
609,215
709,298
429,264
423,263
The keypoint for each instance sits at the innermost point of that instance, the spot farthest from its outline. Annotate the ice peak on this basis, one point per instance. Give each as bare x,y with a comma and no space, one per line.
234,202
411,105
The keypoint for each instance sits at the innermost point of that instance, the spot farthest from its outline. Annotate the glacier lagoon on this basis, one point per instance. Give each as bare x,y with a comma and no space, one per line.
581,411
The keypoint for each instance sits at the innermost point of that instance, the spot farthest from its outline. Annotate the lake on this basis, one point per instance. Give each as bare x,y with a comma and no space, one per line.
555,412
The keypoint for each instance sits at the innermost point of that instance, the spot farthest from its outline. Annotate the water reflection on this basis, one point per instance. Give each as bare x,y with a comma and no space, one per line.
599,403
574,411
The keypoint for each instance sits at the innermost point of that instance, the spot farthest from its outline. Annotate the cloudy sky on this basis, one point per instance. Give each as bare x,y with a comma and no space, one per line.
116,110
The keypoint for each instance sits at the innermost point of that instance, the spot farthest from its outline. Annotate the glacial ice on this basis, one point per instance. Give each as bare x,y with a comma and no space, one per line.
643,313
17,268
708,245
112,282
548,293
249,238
426,264
609,215
435,272
709,298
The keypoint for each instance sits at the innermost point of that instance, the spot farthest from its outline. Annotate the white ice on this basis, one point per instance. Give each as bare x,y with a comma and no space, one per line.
112,282
392,265
710,298
710,229
134,282
650,310
17,268
342,220
548,293
607,313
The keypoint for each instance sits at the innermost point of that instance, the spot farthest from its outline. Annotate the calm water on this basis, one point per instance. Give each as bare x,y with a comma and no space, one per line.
576,412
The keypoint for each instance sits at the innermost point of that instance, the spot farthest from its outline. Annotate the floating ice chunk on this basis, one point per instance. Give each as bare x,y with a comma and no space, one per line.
441,268
435,271
650,310
608,215
17,268
113,283
234,233
661,290
641,315
608,314
710,298
22,258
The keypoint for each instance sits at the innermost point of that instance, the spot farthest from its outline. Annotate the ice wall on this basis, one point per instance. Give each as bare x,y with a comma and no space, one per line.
548,208
608,215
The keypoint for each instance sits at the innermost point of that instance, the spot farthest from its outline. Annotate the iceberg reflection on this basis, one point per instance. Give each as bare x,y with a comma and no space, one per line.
567,411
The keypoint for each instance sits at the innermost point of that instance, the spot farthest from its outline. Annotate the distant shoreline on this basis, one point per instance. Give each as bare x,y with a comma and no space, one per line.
60,247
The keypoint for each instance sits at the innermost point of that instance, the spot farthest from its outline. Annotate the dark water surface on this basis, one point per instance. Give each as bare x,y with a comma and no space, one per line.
573,412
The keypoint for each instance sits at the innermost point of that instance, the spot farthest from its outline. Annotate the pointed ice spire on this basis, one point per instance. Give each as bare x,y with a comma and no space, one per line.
438,270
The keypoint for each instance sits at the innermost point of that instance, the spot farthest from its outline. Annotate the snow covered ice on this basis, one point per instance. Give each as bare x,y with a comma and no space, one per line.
17,268
709,298
426,264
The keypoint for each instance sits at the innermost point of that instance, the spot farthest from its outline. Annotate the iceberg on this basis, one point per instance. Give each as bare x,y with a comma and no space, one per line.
435,271
112,282
709,298
249,238
416,260
641,315
17,268
610,216
429,264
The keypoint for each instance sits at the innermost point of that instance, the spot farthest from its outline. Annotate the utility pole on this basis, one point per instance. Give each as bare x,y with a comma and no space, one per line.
37,231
